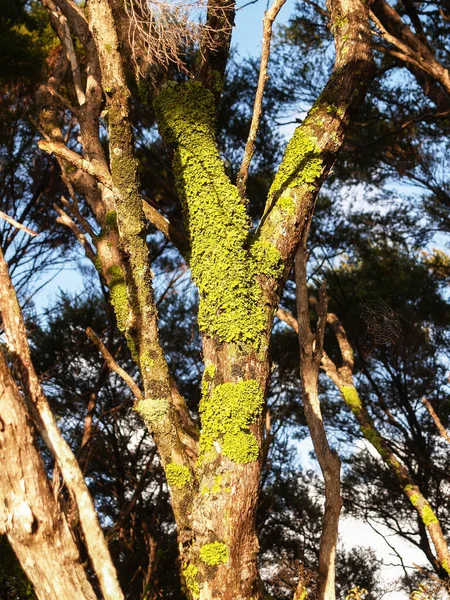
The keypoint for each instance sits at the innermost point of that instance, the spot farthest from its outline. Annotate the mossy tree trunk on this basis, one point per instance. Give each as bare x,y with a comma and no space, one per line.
213,474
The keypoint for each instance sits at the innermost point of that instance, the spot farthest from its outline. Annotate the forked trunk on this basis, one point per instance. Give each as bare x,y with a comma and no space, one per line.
29,515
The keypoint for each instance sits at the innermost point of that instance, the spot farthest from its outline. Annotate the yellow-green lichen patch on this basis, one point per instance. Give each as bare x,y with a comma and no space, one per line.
146,362
119,296
217,483
351,398
227,413
446,566
231,304
428,516
152,410
414,499
214,554
301,164
190,579
266,258
375,439
177,475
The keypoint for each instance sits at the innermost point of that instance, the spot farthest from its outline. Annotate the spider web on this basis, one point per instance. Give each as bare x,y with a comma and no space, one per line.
381,321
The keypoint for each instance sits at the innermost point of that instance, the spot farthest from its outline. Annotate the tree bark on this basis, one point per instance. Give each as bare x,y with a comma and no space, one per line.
45,422
30,515
311,348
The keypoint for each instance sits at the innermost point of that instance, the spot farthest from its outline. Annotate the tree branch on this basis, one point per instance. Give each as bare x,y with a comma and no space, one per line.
269,18
17,225
436,419
17,343
62,151
113,365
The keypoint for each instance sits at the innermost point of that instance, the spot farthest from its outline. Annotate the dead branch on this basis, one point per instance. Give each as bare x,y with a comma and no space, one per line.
17,225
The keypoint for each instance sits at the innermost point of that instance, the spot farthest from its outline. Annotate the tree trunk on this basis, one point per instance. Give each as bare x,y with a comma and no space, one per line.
30,516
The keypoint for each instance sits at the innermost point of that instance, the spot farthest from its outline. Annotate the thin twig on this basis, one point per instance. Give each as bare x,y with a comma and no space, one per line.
269,18
113,365
437,420
17,225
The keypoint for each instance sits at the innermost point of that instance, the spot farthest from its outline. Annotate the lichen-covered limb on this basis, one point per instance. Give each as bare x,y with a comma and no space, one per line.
343,378
311,349
225,262
131,282
315,144
17,343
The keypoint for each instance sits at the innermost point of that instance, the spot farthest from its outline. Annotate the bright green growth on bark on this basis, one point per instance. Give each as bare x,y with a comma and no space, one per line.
177,475
301,164
375,439
446,566
190,578
351,398
414,499
119,296
147,363
111,219
222,267
152,409
214,554
229,411
217,482
428,516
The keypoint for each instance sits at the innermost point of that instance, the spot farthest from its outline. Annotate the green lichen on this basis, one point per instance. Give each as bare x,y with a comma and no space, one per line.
177,475
153,410
190,579
217,483
286,203
428,516
414,499
340,22
223,268
227,413
111,219
217,81
264,254
301,164
98,264
446,566
147,363
210,372
119,296
351,398
214,554
374,438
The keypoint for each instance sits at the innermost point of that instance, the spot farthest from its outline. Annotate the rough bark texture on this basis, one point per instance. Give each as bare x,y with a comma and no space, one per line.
30,515
45,422
311,349
213,475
